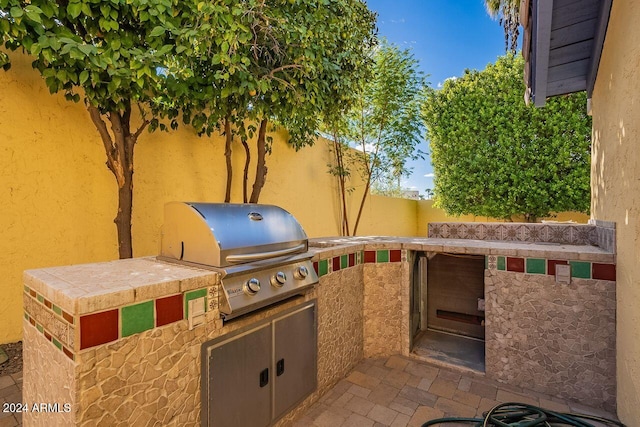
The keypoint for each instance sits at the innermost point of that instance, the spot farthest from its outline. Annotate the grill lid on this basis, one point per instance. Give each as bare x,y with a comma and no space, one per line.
223,234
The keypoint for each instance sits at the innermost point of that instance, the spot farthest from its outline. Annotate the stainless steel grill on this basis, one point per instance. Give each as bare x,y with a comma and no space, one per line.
261,251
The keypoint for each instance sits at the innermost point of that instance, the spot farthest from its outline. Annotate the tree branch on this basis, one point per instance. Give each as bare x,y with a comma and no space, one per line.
285,67
142,127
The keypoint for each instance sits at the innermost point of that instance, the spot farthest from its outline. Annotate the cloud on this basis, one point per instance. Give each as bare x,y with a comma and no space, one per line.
429,175
445,80
369,147
398,21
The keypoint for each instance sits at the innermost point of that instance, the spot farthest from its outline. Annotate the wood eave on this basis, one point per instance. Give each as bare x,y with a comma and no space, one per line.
562,45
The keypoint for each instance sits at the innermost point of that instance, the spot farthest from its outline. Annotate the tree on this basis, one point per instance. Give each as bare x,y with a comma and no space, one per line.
495,156
508,14
428,193
277,63
383,123
112,55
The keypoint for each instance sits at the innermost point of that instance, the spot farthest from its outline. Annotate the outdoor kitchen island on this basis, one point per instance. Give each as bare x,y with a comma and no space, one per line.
116,341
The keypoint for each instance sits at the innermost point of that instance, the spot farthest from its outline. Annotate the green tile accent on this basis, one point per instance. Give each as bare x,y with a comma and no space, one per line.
382,256
536,266
502,263
486,262
323,267
26,288
40,328
26,316
40,298
136,318
344,261
360,257
193,295
56,343
580,269
57,310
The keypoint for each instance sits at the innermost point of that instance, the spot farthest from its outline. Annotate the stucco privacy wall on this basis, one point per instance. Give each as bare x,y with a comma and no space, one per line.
58,200
615,185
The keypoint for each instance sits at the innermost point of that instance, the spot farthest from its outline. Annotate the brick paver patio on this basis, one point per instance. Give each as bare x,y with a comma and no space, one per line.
394,391
398,392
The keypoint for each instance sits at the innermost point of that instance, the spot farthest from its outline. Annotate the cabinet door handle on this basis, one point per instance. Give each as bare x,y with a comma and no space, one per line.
280,367
264,377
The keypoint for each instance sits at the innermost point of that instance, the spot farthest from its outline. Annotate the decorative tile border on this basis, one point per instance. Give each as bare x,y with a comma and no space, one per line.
103,327
579,269
571,234
341,262
57,326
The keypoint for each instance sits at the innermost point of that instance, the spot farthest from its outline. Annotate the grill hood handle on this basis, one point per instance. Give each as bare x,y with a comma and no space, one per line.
257,256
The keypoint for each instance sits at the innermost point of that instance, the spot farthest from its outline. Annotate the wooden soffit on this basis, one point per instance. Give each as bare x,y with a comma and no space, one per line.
562,45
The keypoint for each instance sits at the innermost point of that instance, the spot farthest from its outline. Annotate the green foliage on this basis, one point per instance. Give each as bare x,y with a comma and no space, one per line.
494,156
111,49
289,62
383,122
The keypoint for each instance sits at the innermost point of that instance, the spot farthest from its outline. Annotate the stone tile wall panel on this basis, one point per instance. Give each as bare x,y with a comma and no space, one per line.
152,377
383,309
340,324
553,338
570,234
44,369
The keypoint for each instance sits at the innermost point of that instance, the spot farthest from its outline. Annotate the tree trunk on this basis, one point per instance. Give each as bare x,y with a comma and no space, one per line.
227,155
261,167
364,197
341,181
119,145
245,177
123,218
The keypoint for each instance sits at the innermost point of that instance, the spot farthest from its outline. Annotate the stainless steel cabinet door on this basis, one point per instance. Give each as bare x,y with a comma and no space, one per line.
240,380
295,358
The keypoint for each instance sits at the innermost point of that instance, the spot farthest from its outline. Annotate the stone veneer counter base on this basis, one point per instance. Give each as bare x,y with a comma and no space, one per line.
113,339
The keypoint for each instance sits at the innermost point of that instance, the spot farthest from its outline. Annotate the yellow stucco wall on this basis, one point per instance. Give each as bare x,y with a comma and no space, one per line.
58,199
615,185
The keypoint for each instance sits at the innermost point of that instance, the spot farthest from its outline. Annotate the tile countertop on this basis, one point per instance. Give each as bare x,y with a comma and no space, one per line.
334,246
86,288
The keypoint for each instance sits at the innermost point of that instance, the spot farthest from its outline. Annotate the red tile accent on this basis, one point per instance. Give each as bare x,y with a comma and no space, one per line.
67,317
32,321
352,260
32,293
47,335
395,256
370,256
515,264
67,352
169,310
98,328
315,267
47,303
551,265
336,263
603,271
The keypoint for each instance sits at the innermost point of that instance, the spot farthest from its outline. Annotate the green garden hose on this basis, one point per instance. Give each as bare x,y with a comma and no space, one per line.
521,415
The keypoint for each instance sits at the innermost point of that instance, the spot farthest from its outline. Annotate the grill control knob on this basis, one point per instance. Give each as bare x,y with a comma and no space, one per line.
252,286
301,272
279,279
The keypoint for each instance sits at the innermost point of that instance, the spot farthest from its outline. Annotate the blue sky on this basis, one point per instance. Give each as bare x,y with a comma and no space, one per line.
446,37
